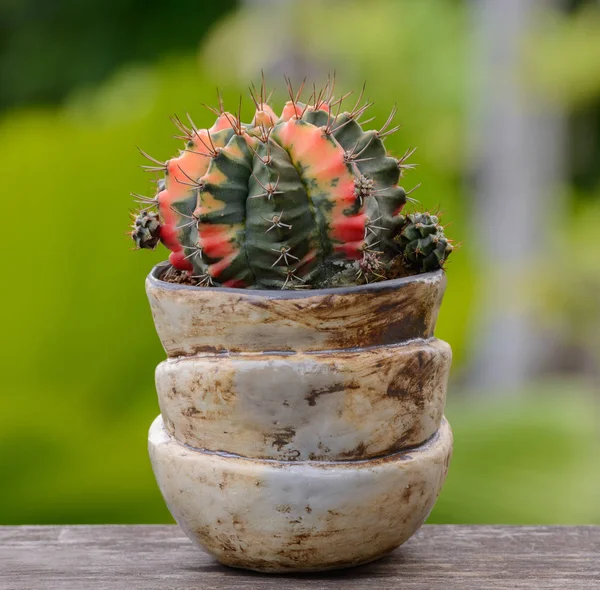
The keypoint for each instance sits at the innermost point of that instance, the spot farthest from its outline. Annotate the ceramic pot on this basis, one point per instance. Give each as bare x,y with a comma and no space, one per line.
300,430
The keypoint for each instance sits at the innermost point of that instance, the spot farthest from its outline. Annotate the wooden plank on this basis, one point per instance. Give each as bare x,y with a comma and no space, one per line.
161,557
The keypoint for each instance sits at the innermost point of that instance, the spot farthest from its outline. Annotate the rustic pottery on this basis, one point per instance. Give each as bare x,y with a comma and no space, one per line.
300,430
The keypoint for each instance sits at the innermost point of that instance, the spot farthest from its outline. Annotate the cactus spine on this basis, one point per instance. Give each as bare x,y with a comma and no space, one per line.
306,199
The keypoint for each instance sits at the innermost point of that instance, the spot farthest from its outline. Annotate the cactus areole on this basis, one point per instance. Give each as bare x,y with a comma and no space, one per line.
307,199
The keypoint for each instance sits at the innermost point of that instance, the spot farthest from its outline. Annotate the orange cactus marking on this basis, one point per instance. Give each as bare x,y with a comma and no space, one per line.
264,116
217,240
234,151
214,270
168,235
235,283
320,160
349,228
290,110
223,122
399,210
178,260
170,218
190,164
214,176
193,162
251,139
183,168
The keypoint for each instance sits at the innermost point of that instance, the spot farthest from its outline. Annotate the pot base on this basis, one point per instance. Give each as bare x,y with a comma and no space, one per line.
278,516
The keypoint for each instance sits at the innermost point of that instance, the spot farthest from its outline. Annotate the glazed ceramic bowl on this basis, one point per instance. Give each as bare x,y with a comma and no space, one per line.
282,516
330,398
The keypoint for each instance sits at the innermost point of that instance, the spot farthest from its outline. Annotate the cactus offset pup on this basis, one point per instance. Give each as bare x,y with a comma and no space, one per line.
306,199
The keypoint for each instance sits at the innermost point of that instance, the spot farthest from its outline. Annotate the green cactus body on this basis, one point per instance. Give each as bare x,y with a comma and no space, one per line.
282,238
422,242
282,202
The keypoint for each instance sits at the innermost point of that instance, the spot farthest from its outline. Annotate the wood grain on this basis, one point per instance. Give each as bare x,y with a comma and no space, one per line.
161,557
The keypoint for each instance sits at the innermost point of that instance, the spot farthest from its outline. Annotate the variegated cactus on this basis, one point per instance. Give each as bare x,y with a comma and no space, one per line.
306,199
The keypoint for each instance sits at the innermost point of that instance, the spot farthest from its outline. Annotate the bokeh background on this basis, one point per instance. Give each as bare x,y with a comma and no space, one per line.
502,98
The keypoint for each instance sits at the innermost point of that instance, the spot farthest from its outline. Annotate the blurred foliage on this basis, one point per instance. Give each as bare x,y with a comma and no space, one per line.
79,346
528,459
562,56
49,48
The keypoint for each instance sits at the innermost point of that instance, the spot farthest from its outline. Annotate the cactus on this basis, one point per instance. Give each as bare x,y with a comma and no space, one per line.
422,242
307,199
146,230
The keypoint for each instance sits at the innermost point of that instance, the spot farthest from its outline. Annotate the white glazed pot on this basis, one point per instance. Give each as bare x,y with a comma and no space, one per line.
300,430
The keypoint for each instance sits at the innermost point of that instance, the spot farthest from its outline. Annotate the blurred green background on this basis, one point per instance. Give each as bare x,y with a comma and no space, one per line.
502,98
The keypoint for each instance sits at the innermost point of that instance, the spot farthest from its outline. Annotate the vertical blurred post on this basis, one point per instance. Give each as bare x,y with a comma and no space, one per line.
518,144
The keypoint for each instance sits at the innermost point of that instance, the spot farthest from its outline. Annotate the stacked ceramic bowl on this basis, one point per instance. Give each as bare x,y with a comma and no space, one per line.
300,430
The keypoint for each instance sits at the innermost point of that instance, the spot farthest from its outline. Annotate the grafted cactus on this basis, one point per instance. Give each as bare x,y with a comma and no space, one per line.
308,198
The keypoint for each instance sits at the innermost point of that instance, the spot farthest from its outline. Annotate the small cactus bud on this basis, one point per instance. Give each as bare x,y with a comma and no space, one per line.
422,242
146,230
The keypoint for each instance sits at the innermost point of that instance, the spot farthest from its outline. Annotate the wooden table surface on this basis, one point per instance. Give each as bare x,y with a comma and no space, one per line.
161,557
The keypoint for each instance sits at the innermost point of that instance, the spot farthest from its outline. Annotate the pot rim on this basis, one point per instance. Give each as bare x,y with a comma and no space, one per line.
388,285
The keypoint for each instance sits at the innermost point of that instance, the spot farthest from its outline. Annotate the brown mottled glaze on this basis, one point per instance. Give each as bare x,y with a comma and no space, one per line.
334,405
282,516
302,430
195,320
